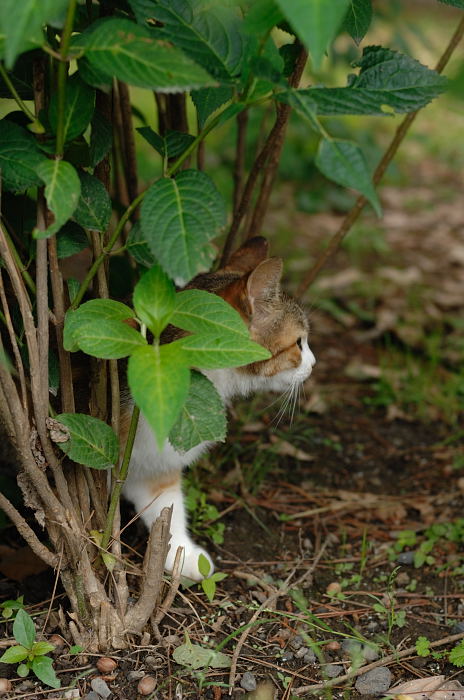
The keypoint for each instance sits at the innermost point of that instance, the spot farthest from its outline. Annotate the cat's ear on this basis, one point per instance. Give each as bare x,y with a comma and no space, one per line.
248,256
263,284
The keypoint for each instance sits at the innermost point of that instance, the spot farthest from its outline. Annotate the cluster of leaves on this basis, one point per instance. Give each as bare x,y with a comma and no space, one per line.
29,654
438,532
455,656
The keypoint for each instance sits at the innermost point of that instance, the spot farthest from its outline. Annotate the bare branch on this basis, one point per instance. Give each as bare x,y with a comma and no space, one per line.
128,141
14,345
240,152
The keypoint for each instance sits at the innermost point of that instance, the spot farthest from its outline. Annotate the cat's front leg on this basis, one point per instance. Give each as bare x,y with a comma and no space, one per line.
149,498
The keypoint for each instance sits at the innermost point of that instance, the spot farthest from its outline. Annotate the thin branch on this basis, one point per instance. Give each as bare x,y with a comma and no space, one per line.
128,141
361,202
62,76
14,93
240,154
27,533
14,345
164,607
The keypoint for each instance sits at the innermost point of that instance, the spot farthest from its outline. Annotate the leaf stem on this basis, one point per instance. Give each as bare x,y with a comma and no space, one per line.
62,76
6,78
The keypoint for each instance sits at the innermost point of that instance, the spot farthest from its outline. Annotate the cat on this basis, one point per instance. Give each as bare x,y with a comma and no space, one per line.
250,282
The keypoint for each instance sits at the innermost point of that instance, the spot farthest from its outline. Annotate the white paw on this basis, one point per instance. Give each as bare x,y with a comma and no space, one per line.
189,559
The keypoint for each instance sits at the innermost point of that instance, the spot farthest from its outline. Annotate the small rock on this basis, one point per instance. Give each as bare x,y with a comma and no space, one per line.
309,657
370,653
288,655
248,681
333,670
458,628
350,647
25,685
72,694
333,645
146,685
172,640
154,662
307,544
374,682
100,687
372,625
406,558
301,652
403,578
333,588
135,675
297,642
91,696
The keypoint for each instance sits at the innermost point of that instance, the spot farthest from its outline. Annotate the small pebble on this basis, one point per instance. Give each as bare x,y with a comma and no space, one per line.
301,652
172,639
309,657
372,625
146,685
91,696
374,682
100,687
333,645
72,694
406,558
333,670
403,578
135,675
370,653
154,662
25,685
288,656
458,628
297,642
248,681
351,647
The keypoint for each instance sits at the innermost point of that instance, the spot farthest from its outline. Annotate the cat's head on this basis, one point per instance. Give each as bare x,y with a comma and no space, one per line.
250,282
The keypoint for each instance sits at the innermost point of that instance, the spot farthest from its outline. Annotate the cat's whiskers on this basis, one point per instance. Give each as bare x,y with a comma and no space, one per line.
285,397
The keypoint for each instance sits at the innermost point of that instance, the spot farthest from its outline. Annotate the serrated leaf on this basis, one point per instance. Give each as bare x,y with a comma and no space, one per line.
22,22
454,3
159,381
202,418
79,108
344,163
91,441
202,312
422,646
358,19
94,208
179,217
62,190
19,157
41,648
42,666
208,100
386,78
211,36
108,340
154,299
70,239
100,310
315,22
101,138
138,246
129,52
456,655
216,352
24,629
195,656
14,655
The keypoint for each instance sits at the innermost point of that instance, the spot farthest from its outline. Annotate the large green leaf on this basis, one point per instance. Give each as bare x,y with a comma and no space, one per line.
79,107
109,340
138,246
24,629
220,351
202,418
208,100
93,209
194,656
129,52
91,441
344,163
171,145
262,15
62,190
386,78
22,22
201,312
210,35
96,310
454,3
14,655
70,240
316,22
179,217
159,381
154,299
101,138
358,18
19,157
43,669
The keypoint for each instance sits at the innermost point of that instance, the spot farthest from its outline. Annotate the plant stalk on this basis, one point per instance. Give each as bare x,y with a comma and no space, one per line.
62,76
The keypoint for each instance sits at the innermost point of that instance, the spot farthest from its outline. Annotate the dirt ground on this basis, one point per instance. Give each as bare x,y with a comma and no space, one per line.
343,536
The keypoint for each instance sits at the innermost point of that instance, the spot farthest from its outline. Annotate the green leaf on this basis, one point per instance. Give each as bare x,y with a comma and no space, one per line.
154,139
75,649
422,646
209,587
24,629
454,3
99,310
129,52
195,656
208,100
91,441
358,19
41,648
22,22
262,15
79,108
70,239
109,340
171,145
101,138
316,22
93,209
62,190
19,157
199,311
344,163
159,381
209,35
179,217
154,299
456,655
204,566
22,670
109,560
303,105
42,666
138,246
14,655
216,352
387,78
203,417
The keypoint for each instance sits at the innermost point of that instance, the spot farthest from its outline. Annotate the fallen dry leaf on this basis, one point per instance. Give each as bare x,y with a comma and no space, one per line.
282,447
429,688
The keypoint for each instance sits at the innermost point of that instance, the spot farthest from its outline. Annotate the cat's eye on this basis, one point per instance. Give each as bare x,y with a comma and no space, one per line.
299,342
